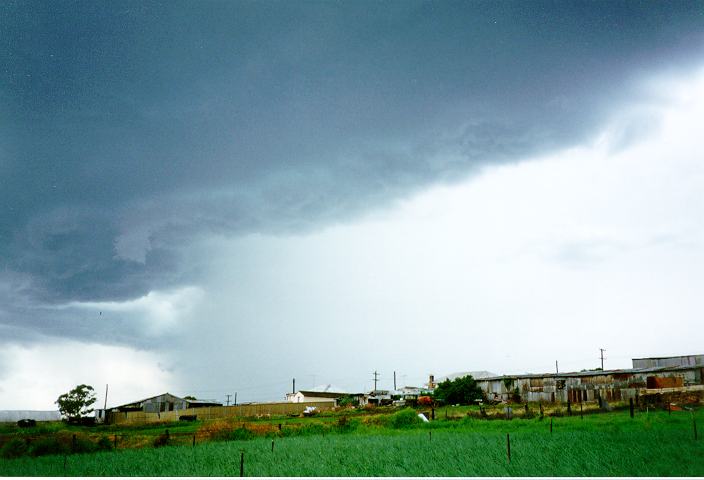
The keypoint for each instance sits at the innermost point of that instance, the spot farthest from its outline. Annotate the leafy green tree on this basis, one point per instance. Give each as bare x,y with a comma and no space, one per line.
77,402
462,390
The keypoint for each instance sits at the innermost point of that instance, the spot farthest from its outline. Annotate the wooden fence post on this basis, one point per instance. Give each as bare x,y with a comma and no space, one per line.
194,440
581,414
569,408
631,406
508,447
550,424
241,463
430,436
694,425
272,446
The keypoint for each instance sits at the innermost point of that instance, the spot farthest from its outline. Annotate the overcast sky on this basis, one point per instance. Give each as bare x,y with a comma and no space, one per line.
216,197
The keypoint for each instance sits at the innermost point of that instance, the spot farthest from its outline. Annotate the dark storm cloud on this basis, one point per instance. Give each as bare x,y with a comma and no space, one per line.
129,127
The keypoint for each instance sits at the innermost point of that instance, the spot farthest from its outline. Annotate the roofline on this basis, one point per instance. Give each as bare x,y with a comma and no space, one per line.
672,356
142,400
591,373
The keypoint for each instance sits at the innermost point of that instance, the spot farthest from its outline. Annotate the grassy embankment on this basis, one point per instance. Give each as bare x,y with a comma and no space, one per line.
610,444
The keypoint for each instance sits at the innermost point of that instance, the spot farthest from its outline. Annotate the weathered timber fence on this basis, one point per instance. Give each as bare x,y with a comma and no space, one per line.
212,413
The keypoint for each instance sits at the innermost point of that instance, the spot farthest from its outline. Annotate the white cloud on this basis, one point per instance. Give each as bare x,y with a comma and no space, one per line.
160,312
34,376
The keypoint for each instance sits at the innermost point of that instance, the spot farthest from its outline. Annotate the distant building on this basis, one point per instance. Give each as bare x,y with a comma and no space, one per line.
165,402
376,397
37,415
681,361
593,384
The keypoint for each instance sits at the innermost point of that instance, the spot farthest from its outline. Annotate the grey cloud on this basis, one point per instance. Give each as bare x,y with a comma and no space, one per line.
132,127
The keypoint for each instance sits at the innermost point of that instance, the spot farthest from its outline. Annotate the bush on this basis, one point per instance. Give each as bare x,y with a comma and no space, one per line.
47,446
404,418
104,444
463,391
83,445
14,448
162,440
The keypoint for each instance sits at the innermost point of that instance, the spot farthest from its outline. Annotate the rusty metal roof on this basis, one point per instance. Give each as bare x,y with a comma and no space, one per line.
592,373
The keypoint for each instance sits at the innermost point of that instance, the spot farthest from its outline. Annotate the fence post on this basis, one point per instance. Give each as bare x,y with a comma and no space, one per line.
694,425
115,440
272,446
569,408
194,440
550,424
508,447
432,413
241,463
541,410
581,414
631,406
527,411
430,436
279,427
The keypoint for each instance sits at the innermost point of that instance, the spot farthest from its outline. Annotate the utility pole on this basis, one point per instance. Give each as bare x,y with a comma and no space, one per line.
105,405
556,369
235,403
293,390
376,377
602,350
228,395
394,379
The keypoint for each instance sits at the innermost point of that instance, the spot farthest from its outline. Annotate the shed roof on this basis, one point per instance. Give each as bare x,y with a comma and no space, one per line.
148,398
592,373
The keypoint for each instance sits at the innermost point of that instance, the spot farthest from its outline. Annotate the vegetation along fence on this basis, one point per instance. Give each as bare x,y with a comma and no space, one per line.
212,413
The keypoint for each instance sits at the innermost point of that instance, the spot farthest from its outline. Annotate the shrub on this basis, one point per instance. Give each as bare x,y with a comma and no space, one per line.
162,440
404,418
47,446
104,444
14,448
83,445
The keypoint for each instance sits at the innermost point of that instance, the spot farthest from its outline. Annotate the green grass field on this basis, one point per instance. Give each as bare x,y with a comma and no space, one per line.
609,444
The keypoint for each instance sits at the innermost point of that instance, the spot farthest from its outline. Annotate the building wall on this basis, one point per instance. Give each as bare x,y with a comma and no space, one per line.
163,403
683,361
611,387
298,397
210,413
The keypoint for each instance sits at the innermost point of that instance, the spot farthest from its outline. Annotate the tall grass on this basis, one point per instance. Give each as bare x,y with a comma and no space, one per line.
604,445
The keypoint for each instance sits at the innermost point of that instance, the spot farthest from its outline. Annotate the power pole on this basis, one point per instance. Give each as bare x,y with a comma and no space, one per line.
105,405
235,403
376,377
228,395
293,390
394,379
602,350
556,369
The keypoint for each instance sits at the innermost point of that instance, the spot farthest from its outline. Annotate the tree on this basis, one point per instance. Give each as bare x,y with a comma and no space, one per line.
76,403
463,390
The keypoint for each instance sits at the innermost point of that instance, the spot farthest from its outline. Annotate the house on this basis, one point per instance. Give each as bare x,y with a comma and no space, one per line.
376,397
321,393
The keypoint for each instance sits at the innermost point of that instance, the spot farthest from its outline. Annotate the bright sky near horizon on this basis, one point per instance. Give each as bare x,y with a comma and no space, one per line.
210,198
